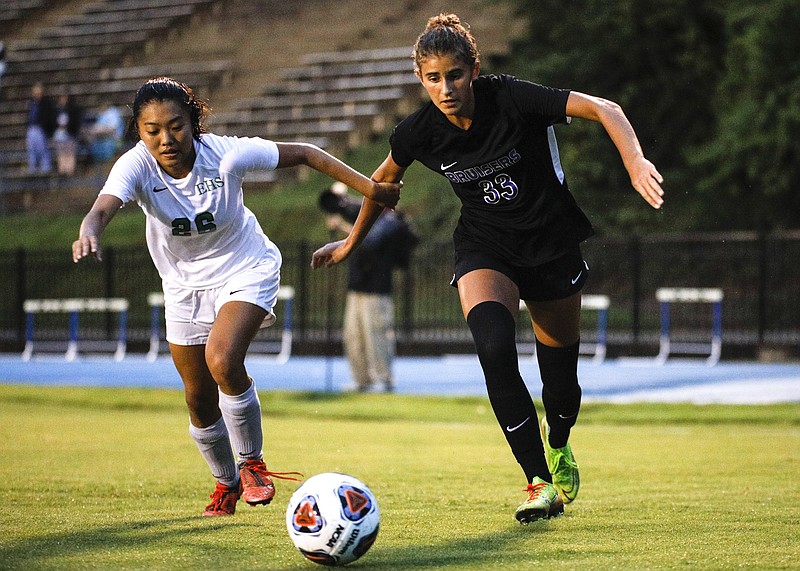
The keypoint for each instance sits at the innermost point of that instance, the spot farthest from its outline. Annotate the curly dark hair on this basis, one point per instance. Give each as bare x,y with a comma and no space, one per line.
168,89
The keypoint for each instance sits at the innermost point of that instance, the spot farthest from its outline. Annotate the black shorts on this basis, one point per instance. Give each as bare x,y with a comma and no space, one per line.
552,280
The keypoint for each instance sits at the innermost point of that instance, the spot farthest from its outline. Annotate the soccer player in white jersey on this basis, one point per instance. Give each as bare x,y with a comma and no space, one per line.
220,272
517,238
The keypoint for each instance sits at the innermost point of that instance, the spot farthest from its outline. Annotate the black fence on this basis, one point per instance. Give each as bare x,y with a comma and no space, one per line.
759,275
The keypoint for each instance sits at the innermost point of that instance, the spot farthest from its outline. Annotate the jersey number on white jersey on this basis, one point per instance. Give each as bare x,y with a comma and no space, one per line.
204,222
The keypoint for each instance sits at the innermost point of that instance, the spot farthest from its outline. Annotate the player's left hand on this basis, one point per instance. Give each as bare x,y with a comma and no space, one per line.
329,255
647,182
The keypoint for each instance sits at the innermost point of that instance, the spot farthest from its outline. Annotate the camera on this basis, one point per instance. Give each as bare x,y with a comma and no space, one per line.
335,200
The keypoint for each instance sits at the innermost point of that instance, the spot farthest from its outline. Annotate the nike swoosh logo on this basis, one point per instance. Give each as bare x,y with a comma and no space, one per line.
235,291
155,189
567,417
575,280
445,167
513,428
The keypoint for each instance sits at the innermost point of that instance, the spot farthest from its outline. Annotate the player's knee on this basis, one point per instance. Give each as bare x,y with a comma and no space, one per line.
558,367
494,333
224,367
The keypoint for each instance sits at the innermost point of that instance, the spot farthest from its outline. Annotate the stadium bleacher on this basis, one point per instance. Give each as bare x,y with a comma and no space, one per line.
85,54
341,99
14,11
95,50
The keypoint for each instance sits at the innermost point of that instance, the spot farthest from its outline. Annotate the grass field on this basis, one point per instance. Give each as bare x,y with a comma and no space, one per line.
109,479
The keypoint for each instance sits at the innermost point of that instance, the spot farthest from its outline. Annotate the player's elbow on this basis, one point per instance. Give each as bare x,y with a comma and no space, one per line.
607,109
294,154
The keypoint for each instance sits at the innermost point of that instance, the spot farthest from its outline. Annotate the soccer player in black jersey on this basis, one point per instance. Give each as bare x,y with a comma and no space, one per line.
517,238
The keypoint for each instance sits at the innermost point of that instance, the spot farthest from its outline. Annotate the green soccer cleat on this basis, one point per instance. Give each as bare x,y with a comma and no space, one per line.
543,502
563,467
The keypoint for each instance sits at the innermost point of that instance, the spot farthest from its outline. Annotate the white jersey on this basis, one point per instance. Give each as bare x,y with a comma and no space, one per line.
199,231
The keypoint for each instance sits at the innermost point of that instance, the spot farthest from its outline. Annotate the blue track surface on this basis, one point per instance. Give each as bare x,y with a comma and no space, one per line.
628,380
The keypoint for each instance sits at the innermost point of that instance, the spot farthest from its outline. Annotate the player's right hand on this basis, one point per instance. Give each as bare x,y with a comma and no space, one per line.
386,193
86,246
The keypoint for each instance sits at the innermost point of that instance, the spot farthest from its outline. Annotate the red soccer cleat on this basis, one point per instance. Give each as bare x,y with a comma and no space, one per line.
257,486
223,500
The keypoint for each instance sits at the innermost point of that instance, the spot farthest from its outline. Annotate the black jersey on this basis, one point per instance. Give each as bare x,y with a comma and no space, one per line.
505,169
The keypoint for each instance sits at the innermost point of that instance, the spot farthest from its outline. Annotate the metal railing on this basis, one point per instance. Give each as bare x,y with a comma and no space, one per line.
757,273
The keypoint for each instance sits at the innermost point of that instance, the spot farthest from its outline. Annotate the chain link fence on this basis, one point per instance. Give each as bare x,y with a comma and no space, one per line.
757,273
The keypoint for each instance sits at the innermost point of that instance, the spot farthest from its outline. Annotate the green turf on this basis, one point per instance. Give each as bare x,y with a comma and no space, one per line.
109,479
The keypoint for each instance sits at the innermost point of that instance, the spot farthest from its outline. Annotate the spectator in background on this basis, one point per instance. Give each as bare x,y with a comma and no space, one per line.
69,118
2,66
106,134
41,126
369,336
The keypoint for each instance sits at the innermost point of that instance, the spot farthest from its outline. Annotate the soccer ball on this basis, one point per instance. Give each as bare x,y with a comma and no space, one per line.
333,518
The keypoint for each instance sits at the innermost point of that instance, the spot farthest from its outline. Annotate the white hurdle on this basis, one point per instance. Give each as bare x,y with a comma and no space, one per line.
156,302
668,296
279,351
598,303
74,307
284,347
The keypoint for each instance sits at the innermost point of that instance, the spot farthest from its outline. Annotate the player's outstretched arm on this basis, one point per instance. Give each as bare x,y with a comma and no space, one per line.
293,154
101,213
644,176
335,252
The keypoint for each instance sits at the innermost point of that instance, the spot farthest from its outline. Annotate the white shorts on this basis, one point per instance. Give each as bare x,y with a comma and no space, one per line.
190,313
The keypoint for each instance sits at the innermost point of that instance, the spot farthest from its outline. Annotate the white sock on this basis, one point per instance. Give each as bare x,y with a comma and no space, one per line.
215,448
242,414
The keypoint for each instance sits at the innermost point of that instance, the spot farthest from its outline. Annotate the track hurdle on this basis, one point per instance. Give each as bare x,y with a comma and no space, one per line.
598,303
668,296
74,307
156,302
279,350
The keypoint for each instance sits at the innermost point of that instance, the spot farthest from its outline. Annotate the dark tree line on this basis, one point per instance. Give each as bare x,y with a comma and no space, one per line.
712,88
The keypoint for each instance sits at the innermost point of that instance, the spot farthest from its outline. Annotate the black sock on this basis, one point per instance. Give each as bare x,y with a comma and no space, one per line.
561,393
494,333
